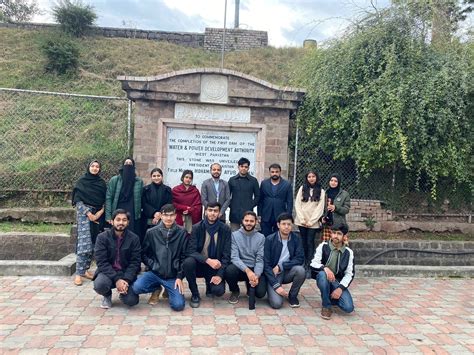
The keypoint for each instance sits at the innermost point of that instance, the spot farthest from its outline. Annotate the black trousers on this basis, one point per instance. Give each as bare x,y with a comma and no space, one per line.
103,285
193,269
307,238
233,275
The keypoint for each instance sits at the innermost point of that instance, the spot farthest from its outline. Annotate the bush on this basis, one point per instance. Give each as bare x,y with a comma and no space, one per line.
74,17
62,54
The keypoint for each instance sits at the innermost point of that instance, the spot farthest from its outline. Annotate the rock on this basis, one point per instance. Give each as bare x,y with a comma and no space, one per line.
57,215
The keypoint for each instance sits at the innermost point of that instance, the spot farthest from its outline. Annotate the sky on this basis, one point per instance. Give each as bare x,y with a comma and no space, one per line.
288,22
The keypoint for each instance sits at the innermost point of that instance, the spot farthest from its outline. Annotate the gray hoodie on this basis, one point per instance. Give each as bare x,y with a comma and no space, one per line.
247,250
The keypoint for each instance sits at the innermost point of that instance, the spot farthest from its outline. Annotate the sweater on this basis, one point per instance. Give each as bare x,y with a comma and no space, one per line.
247,250
309,211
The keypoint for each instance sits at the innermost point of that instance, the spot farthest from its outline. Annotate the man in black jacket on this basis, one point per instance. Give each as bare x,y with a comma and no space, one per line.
210,246
284,258
245,193
333,268
117,254
163,252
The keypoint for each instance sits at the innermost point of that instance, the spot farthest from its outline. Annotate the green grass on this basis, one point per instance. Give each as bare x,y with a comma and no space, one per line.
6,227
411,236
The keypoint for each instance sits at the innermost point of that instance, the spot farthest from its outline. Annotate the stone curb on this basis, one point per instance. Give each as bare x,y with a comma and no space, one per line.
414,271
63,267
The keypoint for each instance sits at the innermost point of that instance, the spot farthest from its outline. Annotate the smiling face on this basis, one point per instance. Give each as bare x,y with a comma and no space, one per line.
312,178
216,171
156,177
333,183
94,168
249,222
187,180
120,222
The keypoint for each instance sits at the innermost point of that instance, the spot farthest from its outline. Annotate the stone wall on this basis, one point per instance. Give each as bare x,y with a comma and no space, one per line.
211,39
365,249
361,210
236,39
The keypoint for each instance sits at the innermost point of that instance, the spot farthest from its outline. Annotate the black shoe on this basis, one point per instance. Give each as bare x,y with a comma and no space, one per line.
234,297
208,292
294,303
195,301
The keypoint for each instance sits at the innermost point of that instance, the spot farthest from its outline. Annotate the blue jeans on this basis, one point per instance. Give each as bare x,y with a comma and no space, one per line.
149,282
344,302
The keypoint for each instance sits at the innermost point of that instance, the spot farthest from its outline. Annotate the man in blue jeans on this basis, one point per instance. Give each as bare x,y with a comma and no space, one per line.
164,250
333,268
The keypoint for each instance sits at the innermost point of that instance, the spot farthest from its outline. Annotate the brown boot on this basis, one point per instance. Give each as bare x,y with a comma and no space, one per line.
78,280
88,275
155,296
326,313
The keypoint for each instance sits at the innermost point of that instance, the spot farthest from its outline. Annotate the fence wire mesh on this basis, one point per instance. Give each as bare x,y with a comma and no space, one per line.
398,191
49,138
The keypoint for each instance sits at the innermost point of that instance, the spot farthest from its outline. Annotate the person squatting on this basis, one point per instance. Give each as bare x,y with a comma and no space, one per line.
159,235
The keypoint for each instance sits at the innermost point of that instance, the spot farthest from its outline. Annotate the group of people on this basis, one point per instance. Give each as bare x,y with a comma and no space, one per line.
167,231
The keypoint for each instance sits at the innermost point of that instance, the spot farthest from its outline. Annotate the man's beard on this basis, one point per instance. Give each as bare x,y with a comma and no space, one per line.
275,177
248,230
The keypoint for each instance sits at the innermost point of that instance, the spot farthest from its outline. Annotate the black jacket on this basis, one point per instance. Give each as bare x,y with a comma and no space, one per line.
224,239
164,250
245,195
105,250
150,207
273,247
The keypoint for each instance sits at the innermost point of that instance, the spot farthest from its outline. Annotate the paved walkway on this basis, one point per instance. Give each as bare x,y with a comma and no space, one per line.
49,315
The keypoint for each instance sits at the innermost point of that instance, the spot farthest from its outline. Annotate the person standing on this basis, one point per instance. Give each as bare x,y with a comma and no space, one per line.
154,196
210,254
334,269
309,208
124,191
247,261
117,253
187,201
244,192
88,196
164,249
338,205
276,197
215,189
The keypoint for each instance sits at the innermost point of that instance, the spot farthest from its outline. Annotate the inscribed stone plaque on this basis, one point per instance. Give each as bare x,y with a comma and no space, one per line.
214,88
197,149
211,113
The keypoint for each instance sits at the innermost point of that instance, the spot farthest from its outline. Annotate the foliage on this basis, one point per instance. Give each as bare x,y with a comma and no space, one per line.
75,17
18,10
385,98
62,54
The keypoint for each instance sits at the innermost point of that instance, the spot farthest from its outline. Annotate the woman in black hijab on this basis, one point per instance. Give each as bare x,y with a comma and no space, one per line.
338,204
88,196
125,191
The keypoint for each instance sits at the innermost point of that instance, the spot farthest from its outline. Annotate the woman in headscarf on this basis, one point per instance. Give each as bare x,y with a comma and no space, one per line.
154,196
88,196
338,205
125,191
309,207
187,201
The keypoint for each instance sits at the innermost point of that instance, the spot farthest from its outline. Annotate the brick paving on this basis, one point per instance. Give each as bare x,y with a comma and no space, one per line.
49,315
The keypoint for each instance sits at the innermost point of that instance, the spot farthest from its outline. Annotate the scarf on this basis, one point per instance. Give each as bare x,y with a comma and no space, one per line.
333,192
90,189
334,257
157,192
128,182
212,230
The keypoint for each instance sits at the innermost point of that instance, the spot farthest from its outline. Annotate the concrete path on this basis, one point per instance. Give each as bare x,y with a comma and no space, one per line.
49,315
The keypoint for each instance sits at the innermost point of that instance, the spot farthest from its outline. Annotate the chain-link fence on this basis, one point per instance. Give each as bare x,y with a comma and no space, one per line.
48,138
397,190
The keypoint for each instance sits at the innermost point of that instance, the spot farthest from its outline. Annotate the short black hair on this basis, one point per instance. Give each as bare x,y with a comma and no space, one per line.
344,228
249,213
284,216
186,172
243,161
121,211
214,204
168,208
274,166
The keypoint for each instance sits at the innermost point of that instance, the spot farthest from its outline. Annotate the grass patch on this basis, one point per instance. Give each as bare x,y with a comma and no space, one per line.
6,227
411,236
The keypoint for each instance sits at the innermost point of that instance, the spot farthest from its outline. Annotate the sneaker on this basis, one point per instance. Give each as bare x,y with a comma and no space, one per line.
234,297
106,302
195,301
326,313
155,296
165,294
294,303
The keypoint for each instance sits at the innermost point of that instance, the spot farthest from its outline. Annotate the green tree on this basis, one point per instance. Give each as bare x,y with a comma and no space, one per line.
74,17
18,10
384,97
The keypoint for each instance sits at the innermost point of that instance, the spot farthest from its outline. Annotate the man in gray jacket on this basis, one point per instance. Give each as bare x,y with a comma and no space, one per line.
215,189
247,260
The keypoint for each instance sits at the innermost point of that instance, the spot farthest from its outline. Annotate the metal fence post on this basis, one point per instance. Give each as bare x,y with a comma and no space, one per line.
129,126
295,159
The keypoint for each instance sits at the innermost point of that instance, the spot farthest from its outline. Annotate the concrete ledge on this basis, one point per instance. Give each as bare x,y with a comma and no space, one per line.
57,215
64,267
429,226
414,271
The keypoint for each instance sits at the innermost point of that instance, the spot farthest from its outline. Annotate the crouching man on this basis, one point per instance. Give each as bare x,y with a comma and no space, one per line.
284,258
117,254
163,252
333,268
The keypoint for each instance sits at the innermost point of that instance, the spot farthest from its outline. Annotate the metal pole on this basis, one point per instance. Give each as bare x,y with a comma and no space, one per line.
223,36
295,159
129,126
236,15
